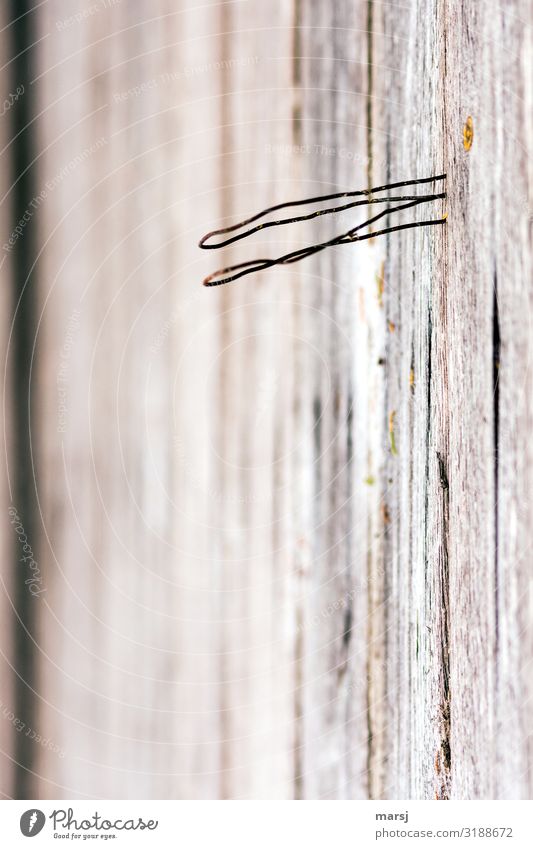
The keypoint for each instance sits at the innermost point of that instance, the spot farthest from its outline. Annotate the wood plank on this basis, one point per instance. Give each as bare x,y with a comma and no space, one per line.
284,525
253,366
342,585
454,298
128,661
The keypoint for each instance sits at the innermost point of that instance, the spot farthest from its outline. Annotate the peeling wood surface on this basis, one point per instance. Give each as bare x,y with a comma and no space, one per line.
284,525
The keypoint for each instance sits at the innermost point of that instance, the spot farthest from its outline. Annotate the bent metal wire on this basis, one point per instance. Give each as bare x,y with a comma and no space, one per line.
233,272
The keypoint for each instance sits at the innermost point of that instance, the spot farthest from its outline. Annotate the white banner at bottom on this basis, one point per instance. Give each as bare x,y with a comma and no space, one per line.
267,825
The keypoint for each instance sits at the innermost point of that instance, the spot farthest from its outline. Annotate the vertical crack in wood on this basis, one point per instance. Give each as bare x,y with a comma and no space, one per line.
298,704
369,671
25,329
390,677
370,86
377,583
441,582
317,448
443,621
496,346
300,788
348,614
428,442
297,73
299,647
443,759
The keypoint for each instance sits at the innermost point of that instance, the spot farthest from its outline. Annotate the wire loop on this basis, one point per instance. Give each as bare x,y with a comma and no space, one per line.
233,272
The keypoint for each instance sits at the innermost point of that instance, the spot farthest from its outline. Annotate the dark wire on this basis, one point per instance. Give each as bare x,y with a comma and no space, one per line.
348,237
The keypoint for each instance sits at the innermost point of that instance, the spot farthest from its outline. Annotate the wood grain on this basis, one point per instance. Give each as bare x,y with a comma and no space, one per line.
285,525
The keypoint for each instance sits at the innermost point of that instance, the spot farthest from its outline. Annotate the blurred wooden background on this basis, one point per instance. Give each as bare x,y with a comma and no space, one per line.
282,528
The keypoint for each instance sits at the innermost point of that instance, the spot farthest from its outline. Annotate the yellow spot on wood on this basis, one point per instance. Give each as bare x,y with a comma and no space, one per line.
468,133
380,283
412,379
392,438
370,480
392,326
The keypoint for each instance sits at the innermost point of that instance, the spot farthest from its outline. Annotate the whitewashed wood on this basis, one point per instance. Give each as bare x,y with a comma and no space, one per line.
513,773
341,587
450,583
130,677
250,594
434,739
254,413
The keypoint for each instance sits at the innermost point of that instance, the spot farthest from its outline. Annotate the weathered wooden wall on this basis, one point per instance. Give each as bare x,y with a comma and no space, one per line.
459,613
284,526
